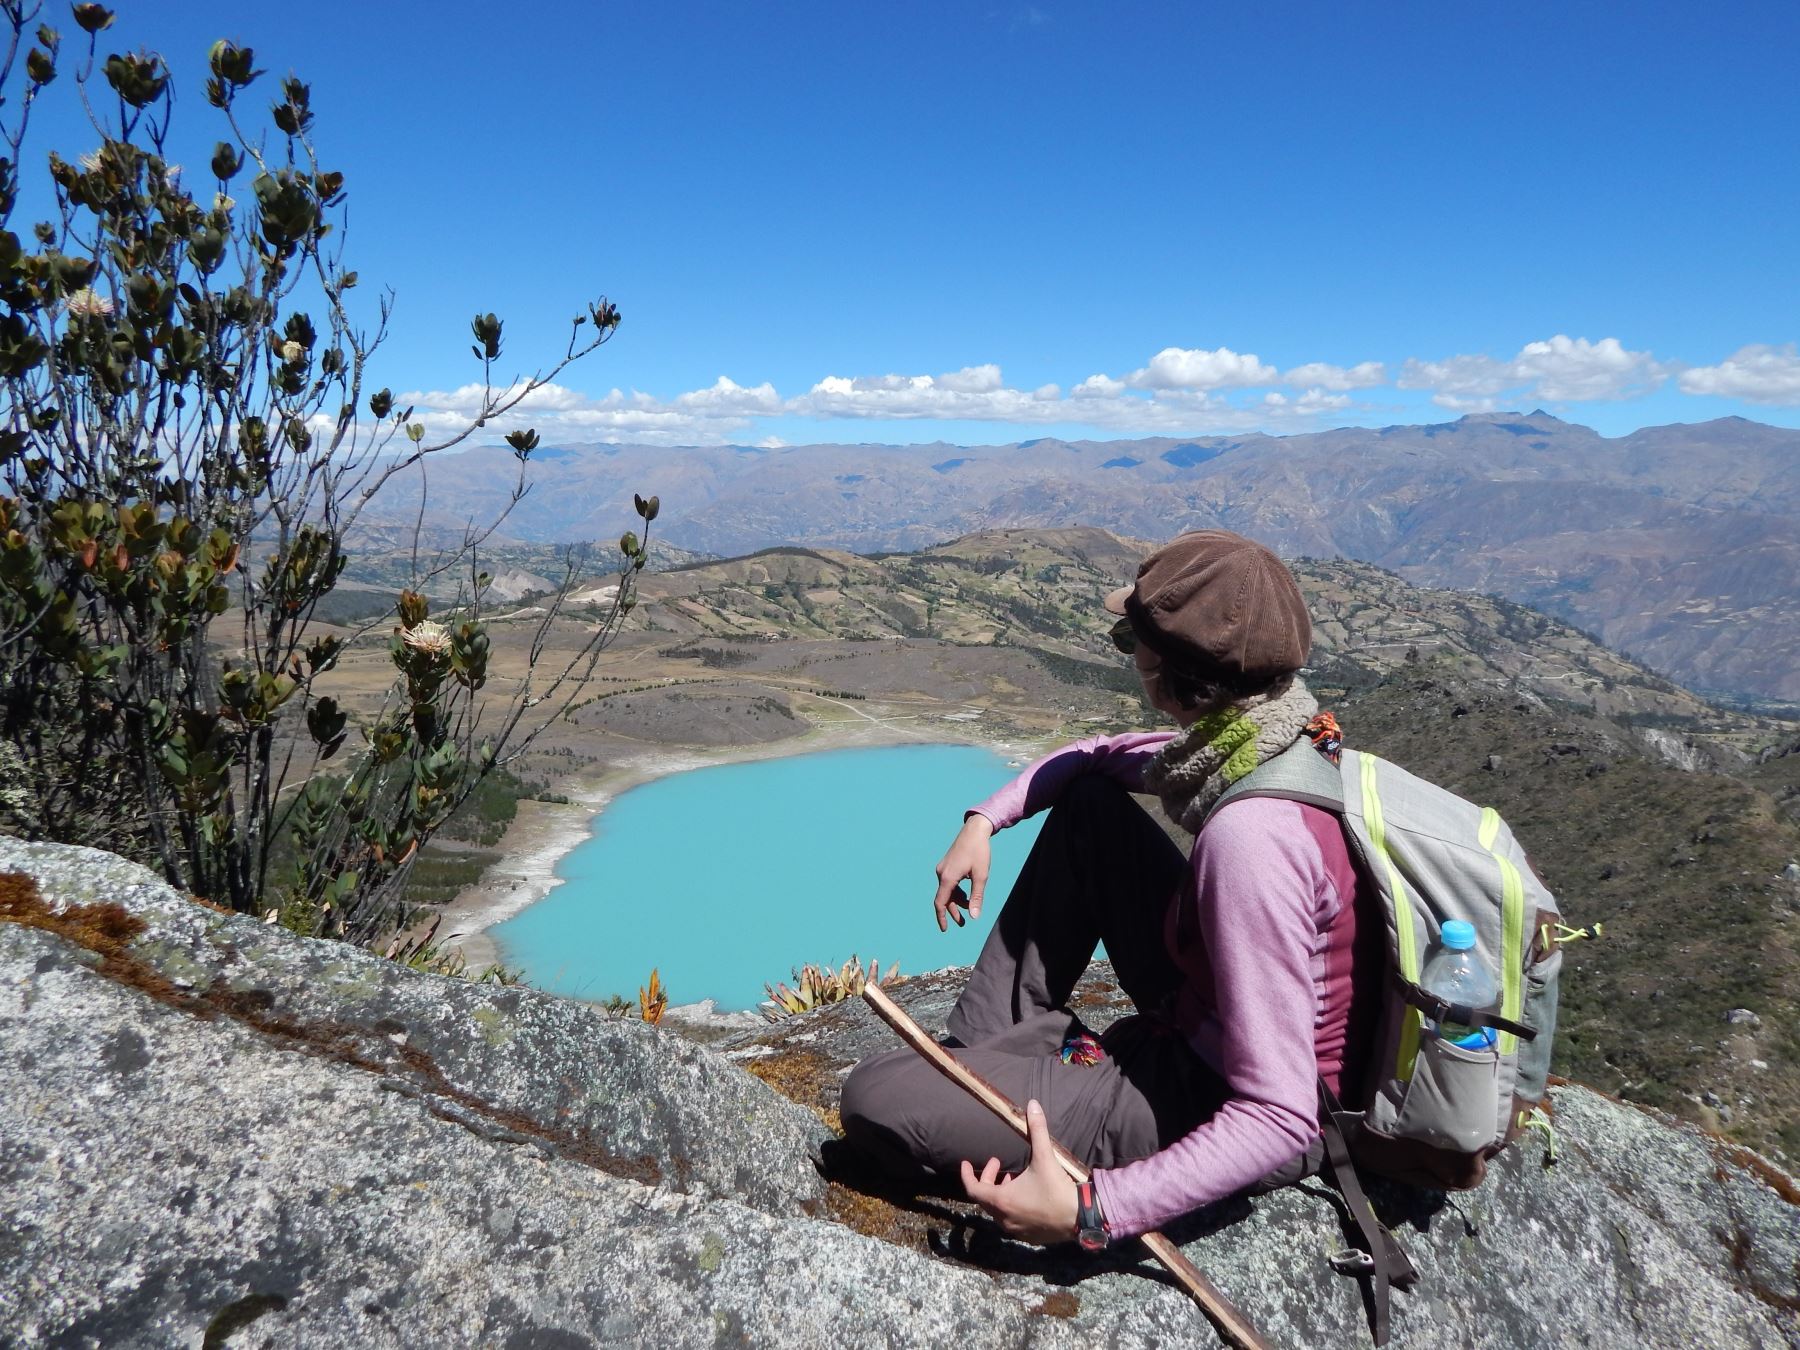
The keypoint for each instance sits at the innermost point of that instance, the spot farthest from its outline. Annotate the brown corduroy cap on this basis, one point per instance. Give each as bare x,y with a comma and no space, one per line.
1215,604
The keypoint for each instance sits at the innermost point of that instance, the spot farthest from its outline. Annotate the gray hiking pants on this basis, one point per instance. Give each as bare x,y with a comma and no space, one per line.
1101,871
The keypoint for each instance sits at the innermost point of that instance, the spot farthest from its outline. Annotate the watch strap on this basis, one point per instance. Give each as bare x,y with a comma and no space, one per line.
1090,1224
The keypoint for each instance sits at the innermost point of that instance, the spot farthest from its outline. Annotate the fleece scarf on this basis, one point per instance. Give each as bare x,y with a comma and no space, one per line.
1192,771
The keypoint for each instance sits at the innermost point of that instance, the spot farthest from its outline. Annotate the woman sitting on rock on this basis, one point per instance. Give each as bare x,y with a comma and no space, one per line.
1240,957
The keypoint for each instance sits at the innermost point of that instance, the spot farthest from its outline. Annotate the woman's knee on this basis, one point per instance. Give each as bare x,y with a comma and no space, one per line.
1095,792
876,1107
1096,804
876,1094
1098,810
861,1099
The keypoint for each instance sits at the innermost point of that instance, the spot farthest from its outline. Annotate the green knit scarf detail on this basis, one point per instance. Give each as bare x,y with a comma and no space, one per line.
1231,734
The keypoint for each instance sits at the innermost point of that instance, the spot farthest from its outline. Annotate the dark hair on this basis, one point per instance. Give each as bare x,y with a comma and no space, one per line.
1199,691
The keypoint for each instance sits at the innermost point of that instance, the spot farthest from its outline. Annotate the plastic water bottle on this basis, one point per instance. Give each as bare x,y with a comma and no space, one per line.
1455,972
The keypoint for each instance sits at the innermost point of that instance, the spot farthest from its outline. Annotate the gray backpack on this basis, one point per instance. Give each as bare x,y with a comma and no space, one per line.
1428,1111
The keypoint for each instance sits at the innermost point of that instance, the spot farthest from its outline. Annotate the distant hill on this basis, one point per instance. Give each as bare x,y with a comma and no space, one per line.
1679,544
1042,589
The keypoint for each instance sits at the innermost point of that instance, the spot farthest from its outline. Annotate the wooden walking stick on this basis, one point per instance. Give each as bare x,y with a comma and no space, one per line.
1231,1323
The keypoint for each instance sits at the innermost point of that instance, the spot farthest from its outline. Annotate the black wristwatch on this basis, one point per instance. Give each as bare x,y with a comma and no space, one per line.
1090,1224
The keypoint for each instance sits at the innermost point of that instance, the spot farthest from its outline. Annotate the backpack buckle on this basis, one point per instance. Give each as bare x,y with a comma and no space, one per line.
1352,1261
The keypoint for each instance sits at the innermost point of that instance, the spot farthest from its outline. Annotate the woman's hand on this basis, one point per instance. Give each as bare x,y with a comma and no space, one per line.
968,859
1038,1205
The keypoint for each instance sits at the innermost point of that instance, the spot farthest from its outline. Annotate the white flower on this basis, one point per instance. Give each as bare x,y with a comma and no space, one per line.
87,303
430,636
90,161
293,353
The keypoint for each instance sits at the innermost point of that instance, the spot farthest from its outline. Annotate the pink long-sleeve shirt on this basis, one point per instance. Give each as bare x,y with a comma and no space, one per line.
1263,926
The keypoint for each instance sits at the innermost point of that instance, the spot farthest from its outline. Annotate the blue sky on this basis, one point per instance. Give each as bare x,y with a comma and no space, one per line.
982,222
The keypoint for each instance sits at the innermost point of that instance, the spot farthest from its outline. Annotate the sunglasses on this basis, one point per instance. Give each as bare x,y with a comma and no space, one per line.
1122,636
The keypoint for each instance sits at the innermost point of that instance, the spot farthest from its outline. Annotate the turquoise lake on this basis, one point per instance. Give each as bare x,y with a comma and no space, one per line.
727,877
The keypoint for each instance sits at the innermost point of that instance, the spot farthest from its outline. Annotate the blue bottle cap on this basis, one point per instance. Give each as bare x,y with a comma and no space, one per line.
1458,935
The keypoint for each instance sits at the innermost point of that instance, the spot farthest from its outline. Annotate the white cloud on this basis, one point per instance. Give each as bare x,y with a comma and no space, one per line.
1311,402
972,379
1175,393
720,412
1560,370
1180,391
1459,404
1195,368
1320,374
1457,377
726,398
980,394
1098,386
1318,401
729,411
467,399
1759,373
1569,370
974,392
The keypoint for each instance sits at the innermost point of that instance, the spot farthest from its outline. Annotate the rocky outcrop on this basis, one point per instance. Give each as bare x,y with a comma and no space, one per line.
1681,751
216,1133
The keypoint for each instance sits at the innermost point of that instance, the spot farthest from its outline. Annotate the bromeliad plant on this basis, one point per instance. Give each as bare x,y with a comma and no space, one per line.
421,950
653,1000
189,439
815,986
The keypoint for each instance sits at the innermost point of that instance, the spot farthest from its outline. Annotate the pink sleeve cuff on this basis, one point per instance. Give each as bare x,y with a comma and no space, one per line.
1041,783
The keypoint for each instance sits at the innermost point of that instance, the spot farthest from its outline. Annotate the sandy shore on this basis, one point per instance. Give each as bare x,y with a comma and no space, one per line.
544,832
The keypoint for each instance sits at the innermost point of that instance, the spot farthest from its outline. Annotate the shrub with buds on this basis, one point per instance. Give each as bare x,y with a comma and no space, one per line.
184,379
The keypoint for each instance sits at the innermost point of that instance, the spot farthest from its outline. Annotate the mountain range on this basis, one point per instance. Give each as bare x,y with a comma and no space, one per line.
1678,544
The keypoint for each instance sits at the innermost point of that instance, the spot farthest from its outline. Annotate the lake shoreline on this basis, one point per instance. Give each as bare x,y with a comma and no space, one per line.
542,834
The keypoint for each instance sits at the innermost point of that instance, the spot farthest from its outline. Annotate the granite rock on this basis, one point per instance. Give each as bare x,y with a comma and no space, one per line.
217,1133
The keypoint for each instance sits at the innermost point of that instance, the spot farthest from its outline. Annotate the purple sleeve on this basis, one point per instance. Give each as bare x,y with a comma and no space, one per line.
1121,757
1258,874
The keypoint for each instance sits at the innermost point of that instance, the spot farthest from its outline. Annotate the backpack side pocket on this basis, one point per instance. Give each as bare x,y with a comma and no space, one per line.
1450,1102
